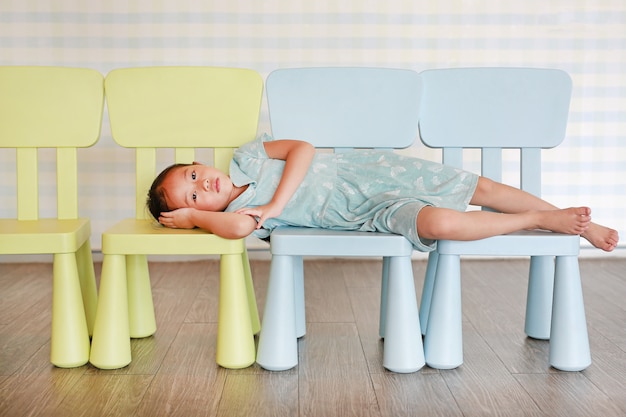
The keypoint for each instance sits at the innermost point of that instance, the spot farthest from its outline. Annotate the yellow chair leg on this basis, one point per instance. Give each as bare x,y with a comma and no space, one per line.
88,287
110,345
142,322
254,311
69,343
235,341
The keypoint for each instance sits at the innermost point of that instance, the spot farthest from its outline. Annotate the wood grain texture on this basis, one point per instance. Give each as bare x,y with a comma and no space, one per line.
173,373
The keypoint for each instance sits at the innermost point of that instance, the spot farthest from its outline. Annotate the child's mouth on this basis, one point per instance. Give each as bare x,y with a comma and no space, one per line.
217,185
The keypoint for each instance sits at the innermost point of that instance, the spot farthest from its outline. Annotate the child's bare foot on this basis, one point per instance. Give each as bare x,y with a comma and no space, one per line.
601,237
571,221
577,221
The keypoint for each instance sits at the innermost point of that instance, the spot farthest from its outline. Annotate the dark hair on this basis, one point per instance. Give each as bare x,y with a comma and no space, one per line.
156,195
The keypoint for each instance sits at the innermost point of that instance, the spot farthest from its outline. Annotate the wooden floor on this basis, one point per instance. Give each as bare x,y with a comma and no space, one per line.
339,373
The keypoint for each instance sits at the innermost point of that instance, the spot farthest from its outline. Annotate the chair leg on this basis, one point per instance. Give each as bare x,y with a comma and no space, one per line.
443,343
569,341
278,345
403,351
235,340
88,286
539,299
298,277
427,290
254,311
384,284
110,345
141,319
69,345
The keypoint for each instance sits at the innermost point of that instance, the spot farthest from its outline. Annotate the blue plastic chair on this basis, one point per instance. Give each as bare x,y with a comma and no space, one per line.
493,109
341,108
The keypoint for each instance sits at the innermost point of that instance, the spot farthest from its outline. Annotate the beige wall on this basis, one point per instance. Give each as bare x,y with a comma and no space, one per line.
585,38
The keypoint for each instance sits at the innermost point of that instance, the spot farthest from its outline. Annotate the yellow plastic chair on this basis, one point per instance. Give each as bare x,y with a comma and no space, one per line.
54,107
182,108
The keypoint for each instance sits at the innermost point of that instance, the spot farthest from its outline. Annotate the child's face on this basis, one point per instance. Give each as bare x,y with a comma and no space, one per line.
198,186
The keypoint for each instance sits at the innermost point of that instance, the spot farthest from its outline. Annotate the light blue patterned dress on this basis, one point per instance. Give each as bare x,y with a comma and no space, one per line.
362,190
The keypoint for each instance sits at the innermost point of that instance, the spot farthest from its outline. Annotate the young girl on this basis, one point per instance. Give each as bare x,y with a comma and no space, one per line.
284,182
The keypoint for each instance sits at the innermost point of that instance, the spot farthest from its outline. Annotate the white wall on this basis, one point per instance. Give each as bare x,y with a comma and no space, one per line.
587,38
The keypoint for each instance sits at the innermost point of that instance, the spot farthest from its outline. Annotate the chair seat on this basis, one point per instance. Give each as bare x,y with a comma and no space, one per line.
43,235
323,242
140,237
524,243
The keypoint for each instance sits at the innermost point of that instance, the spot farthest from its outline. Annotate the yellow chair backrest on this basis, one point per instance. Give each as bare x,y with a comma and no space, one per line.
49,107
182,108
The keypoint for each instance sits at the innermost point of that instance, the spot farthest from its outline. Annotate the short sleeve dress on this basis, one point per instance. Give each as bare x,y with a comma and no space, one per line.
365,190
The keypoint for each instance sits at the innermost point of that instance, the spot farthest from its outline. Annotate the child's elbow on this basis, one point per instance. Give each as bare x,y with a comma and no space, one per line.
241,229
239,233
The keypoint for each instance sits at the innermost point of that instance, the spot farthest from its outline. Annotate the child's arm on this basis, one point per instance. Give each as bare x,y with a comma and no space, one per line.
224,224
297,156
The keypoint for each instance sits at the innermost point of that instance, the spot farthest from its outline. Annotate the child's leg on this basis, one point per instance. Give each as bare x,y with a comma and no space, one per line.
506,199
519,210
441,223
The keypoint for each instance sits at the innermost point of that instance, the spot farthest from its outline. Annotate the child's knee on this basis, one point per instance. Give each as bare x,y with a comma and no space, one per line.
435,223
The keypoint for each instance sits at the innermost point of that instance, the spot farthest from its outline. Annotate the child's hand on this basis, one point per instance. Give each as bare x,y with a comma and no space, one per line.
262,213
178,219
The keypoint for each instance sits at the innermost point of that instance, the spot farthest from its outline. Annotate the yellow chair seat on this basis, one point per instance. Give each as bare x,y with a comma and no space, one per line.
145,236
43,235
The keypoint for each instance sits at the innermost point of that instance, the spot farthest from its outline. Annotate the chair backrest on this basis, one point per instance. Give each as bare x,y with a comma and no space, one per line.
182,108
345,107
49,107
494,109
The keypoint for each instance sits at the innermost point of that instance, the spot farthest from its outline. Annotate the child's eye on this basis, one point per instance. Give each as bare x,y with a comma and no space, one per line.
193,176
194,196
